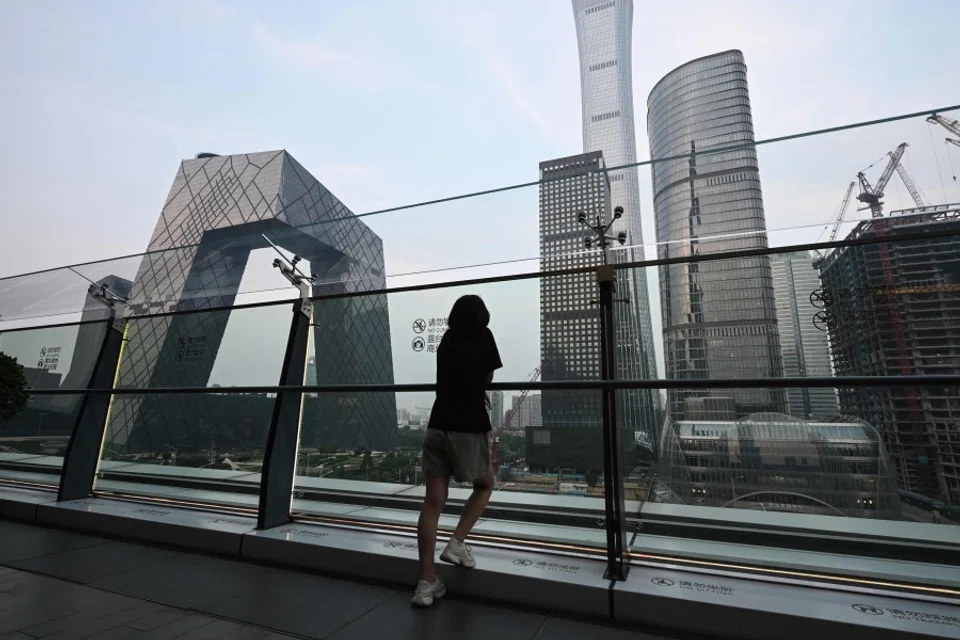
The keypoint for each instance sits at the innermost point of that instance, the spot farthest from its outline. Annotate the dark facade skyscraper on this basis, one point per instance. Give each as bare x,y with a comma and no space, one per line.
219,209
570,319
604,40
719,318
895,311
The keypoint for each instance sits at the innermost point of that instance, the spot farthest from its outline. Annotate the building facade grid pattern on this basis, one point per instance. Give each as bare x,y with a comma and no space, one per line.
220,209
805,349
895,310
719,318
604,38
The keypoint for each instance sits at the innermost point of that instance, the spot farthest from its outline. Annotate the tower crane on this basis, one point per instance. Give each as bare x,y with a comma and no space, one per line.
871,194
908,183
843,210
836,225
953,127
950,125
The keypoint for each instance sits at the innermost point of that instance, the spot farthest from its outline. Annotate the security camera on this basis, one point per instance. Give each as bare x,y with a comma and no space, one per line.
582,217
622,237
617,212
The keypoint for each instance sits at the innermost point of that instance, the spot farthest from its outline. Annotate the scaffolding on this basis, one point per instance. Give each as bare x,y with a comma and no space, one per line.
894,309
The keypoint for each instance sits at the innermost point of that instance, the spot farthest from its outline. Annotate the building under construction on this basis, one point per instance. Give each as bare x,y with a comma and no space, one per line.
893,309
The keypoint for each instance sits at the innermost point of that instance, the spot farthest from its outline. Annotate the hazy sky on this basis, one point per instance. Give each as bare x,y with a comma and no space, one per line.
389,103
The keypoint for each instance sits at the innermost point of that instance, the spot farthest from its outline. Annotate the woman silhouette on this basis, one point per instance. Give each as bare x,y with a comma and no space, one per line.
457,441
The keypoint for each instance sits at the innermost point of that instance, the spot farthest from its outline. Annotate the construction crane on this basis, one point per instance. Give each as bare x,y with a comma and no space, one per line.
870,195
950,125
843,210
953,127
908,183
508,419
836,225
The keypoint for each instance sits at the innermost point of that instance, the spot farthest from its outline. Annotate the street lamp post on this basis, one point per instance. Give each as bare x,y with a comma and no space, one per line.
614,503
603,239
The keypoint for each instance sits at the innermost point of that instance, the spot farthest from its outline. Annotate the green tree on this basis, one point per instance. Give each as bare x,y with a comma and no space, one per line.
13,387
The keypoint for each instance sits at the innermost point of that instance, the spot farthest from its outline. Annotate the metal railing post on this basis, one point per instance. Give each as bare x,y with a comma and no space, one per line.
614,506
82,458
280,456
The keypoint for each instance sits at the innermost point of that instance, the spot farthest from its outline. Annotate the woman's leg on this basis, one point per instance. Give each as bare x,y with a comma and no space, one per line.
473,509
433,504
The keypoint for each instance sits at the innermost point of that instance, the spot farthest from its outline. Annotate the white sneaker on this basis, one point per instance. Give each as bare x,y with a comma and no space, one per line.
458,553
426,593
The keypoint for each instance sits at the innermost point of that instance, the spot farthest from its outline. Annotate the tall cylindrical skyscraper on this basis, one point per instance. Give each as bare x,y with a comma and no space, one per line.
719,318
604,34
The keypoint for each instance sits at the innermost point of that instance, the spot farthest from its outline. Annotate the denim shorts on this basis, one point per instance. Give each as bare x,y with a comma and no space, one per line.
464,456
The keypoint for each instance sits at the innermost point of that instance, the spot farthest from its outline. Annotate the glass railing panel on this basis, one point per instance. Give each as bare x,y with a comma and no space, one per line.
729,482
881,309
57,296
545,448
198,448
33,442
162,444
453,238
222,271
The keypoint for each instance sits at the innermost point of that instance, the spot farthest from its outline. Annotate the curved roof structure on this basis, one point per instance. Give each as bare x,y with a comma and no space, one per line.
776,462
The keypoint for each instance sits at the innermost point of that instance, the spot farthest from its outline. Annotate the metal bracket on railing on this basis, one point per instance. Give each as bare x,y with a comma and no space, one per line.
301,282
288,268
102,294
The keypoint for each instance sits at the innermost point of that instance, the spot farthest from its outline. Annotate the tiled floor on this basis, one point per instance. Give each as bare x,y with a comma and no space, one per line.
56,584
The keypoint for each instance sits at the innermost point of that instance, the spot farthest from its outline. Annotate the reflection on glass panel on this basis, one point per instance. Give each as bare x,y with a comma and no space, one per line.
766,471
52,358
46,294
773,462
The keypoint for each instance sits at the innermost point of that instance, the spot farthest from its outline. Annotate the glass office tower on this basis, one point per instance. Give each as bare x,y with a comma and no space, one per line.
805,349
719,318
604,34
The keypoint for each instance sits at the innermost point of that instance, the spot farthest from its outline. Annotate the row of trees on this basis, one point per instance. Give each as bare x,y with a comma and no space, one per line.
14,393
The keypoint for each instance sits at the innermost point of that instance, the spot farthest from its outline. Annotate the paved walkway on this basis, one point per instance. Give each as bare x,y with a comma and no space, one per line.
56,584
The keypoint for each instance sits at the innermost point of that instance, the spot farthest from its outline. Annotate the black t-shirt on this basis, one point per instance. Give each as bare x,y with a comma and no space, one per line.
463,363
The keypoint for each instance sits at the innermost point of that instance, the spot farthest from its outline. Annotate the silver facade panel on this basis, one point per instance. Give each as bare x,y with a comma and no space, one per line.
719,318
604,39
219,209
805,349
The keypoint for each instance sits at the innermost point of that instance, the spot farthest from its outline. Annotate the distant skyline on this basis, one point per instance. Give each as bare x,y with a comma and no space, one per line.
399,103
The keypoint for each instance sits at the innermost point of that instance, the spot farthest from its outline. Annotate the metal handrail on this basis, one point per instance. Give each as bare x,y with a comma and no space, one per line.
539,275
841,382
